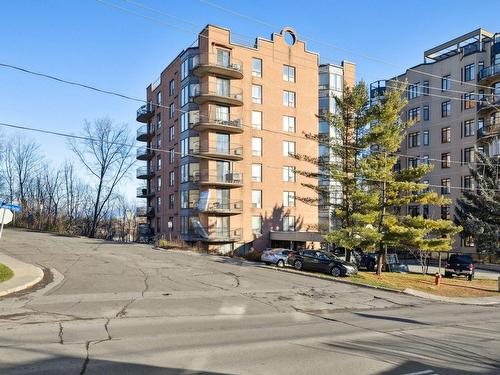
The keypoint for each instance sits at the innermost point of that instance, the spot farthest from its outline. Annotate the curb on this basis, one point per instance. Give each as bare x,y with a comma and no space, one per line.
25,275
480,301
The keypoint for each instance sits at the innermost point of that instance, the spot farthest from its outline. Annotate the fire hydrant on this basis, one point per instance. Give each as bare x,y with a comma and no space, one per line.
437,279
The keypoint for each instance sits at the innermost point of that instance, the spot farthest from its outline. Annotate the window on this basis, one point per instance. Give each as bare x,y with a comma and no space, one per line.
184,173
257,94
158,120
413,210
468,155
257,198
288,199
158,162
468,241
445,109
257,120
184,147
171,201
222,114
425,159
158,183
425,88
184,95
223,57
256,67
171,133
184,121
171,110
426,113
158,204
222,87
425,210
469,72
288,148
289,223
445,160
468,183
446,83
256,146
184,69
171,87
256,225
413,139
289,174
171,156
289,124
469,101
446,135
445,212
158,141
445,186
413,91
426,138
289,99
468,128
158,97
256,172
414,114
171,178
412,162
288,73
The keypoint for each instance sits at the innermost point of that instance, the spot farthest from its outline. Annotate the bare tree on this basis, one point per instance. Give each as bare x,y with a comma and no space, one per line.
26,159
106,154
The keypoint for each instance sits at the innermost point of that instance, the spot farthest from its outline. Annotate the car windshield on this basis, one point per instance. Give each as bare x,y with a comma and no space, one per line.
461,259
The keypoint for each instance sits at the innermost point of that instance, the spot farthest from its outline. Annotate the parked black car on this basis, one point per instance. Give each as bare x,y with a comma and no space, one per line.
459,265
321,261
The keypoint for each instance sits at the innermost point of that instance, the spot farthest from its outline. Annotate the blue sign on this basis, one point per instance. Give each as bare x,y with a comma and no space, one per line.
12,207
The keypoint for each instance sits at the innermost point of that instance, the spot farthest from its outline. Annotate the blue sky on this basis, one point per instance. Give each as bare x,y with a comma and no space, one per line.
91,42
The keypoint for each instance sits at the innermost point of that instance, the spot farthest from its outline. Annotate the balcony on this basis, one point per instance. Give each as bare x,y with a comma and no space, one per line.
220,151
490,131
144,134
211,92
144,153
218,122
145,211
211,63
212,235
144,192
145,112
144,173
221,207
489,75
488,104
221,179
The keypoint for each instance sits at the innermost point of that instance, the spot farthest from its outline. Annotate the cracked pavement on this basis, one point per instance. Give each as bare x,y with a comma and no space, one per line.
127,308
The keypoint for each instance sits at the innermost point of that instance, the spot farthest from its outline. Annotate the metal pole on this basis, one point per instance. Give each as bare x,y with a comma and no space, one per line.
1,227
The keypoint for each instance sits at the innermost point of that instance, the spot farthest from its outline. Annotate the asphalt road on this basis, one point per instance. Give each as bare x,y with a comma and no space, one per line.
129,309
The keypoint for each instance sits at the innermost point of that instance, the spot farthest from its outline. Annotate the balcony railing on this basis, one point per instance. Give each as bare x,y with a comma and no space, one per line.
218,121
215,92
212,234
145,112
489,131
221,178
221,65
222,206
144,172
490,71
144,134
144,192
146,211
225,151
489,102
144,153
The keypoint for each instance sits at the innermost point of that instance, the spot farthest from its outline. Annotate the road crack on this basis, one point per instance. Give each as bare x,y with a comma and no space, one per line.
61,332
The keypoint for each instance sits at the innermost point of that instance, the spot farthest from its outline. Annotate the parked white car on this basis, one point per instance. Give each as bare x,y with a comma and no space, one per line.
277,256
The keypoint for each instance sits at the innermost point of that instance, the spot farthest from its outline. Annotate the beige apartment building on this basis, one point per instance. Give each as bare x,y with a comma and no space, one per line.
222,122
454,99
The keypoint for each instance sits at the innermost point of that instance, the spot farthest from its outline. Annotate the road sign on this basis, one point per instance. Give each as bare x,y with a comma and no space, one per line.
12,207
5,216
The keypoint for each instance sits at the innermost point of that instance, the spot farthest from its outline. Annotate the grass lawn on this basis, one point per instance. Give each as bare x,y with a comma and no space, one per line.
450,287
5,273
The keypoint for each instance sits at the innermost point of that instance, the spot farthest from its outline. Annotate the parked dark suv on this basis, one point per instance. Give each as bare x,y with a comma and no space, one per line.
459,265
313,260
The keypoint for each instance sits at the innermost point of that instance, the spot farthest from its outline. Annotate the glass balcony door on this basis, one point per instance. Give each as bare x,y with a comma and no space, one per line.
222,143
223,87
221,114
223,58
222,170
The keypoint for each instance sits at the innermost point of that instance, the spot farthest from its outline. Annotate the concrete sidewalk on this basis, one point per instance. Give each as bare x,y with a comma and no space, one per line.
25,275
482,301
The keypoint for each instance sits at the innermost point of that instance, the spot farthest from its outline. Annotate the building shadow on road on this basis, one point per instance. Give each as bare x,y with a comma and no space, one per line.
75,365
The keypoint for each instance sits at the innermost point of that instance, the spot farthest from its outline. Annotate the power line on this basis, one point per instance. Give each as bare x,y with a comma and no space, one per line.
89,139
310,39
128,97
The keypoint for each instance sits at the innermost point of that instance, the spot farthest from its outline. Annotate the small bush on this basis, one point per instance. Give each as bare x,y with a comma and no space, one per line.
166,244
253,255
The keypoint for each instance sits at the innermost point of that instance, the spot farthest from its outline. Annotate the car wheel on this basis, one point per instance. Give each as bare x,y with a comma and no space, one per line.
371,267
268,263
298,265
335,271
280,263
448,274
